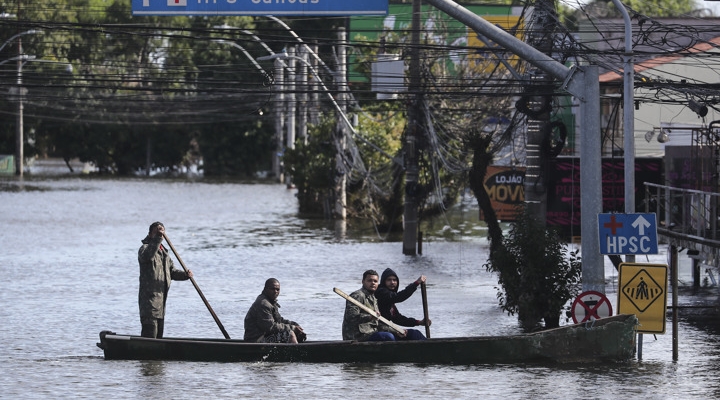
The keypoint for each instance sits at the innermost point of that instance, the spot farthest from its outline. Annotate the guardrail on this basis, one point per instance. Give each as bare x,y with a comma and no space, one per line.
684,213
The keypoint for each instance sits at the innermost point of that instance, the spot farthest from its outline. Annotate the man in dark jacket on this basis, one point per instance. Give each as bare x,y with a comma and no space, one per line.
387,295
156,273
263,322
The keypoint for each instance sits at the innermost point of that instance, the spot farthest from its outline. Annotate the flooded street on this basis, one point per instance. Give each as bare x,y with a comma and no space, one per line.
69,267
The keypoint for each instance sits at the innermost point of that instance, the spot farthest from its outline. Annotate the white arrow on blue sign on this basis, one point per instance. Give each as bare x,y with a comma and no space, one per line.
260,7
628,233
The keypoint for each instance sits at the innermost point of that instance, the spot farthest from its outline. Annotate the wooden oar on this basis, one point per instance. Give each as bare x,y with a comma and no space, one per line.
215,317
370,311
423,291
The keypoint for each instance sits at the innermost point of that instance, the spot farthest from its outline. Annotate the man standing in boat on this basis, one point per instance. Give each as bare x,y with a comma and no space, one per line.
263,322
387,295
156,273
358,324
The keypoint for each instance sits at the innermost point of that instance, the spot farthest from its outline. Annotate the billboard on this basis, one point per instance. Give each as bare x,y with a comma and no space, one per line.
438,29
259,7
563,189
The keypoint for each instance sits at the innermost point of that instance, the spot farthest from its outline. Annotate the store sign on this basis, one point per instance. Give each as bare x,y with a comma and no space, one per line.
505,186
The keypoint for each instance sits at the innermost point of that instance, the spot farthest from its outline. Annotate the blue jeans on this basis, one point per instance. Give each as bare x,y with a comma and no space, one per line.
412,334
381,337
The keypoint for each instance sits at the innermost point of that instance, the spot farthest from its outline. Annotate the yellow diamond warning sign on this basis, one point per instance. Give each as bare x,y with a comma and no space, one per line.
643,292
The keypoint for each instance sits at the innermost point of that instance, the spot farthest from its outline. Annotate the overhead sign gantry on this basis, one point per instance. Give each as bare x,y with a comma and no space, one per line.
259,7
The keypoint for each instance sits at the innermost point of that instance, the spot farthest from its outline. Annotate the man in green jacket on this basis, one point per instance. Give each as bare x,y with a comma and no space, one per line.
156,273
358,324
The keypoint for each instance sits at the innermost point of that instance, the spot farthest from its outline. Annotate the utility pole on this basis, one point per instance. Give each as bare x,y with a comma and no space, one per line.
19,120
341,130
314,96
537,104
291,107
302,87
279,118
19,136
410,215
583,83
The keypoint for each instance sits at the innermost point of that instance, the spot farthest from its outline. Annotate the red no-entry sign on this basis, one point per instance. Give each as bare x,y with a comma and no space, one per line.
590,304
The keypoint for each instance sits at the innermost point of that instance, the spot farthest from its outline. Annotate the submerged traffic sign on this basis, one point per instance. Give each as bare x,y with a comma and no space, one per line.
590,305
643,292
628,233
259,7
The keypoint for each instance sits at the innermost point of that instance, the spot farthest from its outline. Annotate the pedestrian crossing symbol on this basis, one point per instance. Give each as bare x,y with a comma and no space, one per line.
643,292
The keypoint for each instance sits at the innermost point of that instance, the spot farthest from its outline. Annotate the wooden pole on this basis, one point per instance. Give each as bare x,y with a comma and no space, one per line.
423,291
215,317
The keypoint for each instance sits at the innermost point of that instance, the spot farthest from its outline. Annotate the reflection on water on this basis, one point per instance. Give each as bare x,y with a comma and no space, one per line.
69,264
152,368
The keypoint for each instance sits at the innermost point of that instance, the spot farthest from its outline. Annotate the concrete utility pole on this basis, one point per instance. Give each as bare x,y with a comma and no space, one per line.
314,113
291,106
628,117
584,85
538,106
341,130
302,86
19,136
279,118
410,215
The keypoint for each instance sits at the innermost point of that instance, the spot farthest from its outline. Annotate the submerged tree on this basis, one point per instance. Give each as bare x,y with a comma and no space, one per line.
538,274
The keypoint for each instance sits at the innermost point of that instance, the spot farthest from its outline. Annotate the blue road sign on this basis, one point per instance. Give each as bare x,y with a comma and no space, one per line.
628,233
260,7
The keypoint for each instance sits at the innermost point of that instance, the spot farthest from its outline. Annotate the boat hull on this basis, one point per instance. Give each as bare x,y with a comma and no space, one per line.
606,340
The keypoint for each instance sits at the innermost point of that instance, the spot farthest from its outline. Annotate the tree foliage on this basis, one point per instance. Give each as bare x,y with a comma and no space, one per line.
537,273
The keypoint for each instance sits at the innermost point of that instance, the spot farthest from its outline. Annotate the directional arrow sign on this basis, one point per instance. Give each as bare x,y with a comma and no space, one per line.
640,224
628,233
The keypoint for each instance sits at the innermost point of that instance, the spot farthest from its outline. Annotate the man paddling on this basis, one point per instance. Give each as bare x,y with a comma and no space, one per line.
387,295
358,324
263,322
156,273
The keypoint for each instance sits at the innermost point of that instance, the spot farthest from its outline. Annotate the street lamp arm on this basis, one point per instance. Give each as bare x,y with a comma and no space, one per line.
30,32
246,32
251,58
307,48
283,56
24,57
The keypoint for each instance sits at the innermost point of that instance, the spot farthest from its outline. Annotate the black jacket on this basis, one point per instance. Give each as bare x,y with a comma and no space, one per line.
387,298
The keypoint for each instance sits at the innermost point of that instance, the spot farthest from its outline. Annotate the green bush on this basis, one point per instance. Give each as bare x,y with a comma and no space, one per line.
537,272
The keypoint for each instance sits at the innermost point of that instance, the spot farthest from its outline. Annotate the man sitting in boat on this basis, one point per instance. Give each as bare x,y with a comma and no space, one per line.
263,322
387,295
358,324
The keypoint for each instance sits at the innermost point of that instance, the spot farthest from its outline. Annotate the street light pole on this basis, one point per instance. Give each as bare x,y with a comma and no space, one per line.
19,136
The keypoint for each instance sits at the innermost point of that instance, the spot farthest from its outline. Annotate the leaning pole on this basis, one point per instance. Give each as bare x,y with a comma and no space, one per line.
583,83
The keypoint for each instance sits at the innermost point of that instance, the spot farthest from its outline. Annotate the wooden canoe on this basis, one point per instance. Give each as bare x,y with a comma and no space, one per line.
609,339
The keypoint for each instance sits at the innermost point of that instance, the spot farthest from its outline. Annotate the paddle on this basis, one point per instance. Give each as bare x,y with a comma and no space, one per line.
215,317
370,311
423,291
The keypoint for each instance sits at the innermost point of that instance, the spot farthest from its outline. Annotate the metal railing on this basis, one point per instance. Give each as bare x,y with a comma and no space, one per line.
684,213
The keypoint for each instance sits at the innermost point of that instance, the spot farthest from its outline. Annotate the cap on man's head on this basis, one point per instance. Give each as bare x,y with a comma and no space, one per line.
155,224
